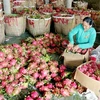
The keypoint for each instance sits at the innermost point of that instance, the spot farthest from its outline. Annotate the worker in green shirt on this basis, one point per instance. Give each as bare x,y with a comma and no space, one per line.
85,35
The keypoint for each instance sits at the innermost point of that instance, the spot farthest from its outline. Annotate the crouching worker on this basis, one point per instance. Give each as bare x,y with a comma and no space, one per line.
85,35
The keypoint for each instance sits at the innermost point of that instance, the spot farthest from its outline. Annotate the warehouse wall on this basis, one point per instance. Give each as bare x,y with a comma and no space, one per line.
95,4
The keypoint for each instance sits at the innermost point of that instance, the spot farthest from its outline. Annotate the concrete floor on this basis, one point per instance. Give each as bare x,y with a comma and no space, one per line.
17,39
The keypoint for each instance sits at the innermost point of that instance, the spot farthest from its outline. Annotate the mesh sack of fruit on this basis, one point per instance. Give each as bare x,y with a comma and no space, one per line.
39,24
58,3
63,23
15,24
31,3
96,17
80,4
2,34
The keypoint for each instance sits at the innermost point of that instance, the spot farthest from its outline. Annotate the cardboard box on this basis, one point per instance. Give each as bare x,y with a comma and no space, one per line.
73,60
87,81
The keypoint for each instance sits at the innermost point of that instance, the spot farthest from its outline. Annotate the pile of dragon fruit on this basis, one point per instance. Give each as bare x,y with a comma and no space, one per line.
80,51
29,63
91,69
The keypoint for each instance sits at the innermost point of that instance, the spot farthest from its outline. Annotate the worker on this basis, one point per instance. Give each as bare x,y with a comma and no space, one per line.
85,35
